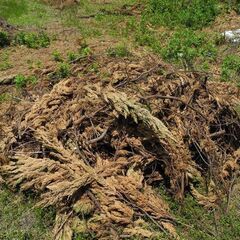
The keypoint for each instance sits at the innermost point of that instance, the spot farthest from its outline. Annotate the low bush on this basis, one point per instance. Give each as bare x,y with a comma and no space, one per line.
22,81
57,56
192,14
33,40
4,39
63,70
186,46
120,50
230,69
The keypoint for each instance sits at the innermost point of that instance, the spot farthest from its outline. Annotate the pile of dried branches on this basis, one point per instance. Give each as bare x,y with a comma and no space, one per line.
95,151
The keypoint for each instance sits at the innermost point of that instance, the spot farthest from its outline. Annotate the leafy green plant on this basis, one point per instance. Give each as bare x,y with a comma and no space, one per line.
85,50
230,69
120,50
4,39
4,97
22,81
4,61
72,56
63,70
33,40
186,46
193,14
57,56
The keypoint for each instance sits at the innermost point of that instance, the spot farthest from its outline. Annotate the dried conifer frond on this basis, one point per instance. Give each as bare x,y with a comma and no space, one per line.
95,152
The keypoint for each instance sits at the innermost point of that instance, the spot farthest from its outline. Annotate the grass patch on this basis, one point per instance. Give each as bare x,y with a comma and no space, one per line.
4,97
63,70
196,222
191,14
102,19
19,220
120,50
4,61
33,40
57,56
230,69
186,46
22,81
26,12
4,39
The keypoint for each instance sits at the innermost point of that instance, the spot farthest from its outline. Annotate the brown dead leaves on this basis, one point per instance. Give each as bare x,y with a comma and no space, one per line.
98,149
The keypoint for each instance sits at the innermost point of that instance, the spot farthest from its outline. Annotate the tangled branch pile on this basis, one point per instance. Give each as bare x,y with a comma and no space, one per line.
96,151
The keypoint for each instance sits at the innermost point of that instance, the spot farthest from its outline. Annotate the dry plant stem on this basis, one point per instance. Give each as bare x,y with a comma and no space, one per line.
175,99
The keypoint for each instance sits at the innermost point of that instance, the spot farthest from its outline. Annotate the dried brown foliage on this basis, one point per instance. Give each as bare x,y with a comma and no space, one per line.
94,151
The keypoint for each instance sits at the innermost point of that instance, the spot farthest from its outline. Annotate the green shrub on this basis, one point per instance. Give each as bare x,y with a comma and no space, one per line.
4,61
4,39
72,56
186,46
85,50
120,50
230,69
33,40
22,81
193,14
63,70
57,56
4,97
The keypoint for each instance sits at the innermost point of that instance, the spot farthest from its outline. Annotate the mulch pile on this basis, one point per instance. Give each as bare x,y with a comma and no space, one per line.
96,148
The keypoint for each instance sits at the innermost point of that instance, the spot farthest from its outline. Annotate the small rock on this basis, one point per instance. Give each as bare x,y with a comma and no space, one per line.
232,36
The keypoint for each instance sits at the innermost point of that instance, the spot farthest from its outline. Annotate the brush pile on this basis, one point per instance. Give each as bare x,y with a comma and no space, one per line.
96,150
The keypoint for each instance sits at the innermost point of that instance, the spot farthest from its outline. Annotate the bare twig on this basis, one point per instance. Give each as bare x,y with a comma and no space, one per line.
140,77
175,99
98,138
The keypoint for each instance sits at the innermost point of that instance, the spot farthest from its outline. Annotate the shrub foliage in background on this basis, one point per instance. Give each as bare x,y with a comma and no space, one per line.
188,13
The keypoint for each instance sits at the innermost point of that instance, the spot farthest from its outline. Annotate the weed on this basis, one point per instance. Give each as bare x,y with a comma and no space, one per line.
63,70
196,222
85,50
72,56
118,51
230,69
4,39
33,40
94,67
4,61
57,56
193,14
22,81
4,97
20,220
34,64
185,46
82,236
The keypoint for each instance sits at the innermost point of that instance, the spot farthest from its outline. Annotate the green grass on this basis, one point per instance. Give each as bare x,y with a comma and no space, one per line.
21,221
4,97
230,69
120,50
103,22
194,222
26,12
32,40
191,14
186,46
22,81
4,60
